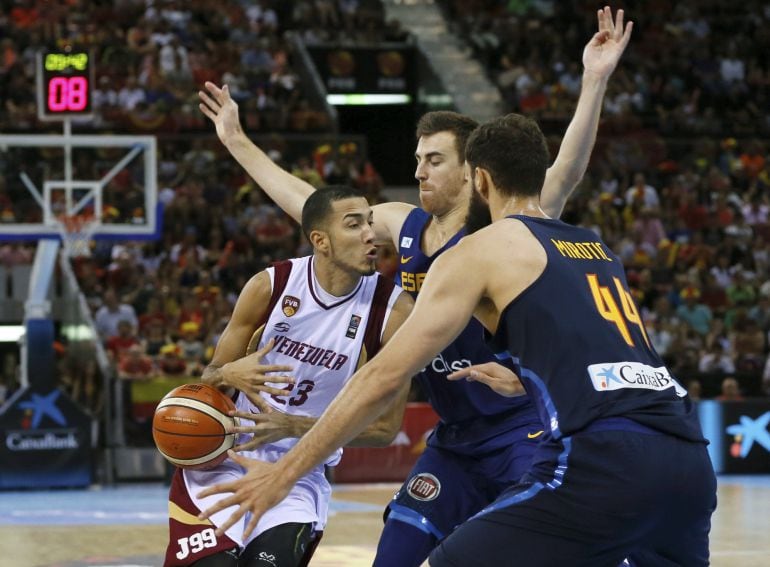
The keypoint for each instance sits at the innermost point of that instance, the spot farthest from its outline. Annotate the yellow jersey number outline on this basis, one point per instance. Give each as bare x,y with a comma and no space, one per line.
608,307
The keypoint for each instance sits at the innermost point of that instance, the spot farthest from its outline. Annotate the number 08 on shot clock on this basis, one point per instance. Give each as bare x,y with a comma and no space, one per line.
64,84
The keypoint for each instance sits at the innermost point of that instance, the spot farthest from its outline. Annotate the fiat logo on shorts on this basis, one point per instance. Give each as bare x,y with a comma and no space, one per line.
424,487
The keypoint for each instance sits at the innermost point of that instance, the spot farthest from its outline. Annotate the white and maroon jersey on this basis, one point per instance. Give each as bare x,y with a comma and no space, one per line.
325,339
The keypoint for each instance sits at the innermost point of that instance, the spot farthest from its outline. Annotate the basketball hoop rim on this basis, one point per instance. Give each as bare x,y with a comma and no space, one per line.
76,222
76,232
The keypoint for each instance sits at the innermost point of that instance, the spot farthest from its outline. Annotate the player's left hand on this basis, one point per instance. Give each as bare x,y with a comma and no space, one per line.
268,427
603,51
501,379
219,107
263,486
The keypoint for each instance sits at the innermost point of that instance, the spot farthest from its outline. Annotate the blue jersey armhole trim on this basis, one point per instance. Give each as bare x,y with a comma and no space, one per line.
413,518
550,408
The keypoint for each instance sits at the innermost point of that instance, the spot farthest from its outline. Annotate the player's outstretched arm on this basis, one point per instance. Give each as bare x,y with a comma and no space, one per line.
446,303
229,368
289,192
274,425
600,57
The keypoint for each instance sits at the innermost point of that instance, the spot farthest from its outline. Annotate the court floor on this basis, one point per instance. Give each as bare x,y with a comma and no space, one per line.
126,526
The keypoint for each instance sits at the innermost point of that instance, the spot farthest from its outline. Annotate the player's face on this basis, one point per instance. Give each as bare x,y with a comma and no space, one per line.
443,186
351,235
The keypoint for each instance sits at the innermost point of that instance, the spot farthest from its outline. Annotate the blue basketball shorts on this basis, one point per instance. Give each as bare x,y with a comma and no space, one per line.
594,499
445,488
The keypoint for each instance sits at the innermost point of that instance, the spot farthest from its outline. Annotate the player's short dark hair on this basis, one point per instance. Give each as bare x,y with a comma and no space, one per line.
446,121
513,150
316,209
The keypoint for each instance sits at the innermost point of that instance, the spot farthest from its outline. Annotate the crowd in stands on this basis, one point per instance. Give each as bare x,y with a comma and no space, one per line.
679,185
153,55
695,67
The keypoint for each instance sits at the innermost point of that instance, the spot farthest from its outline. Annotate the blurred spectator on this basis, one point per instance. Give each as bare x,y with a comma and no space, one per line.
119,343
206,292
191,347
716,360
730,390
154,314
171,362
723,271
641,192
718,335
756,211
155,338
179,252
135,365
740,291
694,390
696,315
649,228
749,345
190,310
760,312
714,295
660,335
109,315
275,232
105,97
131,94
14,254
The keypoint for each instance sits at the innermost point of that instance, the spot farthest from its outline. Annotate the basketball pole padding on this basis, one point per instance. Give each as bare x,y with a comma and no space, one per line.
46,437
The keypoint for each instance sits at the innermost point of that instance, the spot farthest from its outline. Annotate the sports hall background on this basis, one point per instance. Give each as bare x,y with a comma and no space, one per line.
678,186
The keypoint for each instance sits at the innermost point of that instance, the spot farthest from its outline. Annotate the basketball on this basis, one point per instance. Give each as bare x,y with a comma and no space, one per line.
189,426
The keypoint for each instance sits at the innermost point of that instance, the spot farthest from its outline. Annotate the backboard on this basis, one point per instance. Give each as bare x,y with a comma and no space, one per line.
106,183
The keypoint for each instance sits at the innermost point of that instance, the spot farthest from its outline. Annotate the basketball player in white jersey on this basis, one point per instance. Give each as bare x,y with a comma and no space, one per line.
321,316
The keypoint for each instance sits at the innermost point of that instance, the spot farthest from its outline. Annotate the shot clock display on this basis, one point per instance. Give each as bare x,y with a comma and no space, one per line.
64,84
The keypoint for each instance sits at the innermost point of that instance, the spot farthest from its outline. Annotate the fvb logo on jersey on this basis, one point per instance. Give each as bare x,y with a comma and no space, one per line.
748,432
31,437
290,305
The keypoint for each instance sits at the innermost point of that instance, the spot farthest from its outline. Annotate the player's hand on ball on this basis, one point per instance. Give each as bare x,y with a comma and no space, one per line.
262,487
603,51
221,109
250,377
498,377
266,428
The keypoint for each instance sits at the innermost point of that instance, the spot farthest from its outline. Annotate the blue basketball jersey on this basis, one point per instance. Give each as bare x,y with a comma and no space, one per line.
473,417
580,346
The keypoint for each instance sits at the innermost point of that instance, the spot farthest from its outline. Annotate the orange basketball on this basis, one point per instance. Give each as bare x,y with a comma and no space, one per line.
189,426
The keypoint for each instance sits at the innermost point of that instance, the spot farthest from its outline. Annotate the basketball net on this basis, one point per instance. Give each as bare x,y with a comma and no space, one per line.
77,232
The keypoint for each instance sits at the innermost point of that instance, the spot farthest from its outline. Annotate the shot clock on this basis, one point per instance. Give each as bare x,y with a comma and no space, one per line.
64,84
